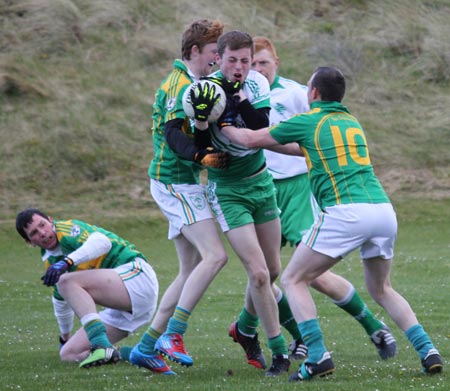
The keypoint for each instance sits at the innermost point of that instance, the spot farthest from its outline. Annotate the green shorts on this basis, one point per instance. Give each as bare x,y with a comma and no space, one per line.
246,201
298,208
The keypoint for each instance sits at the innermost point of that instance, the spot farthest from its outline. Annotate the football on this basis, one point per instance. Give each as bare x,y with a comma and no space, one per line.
218,108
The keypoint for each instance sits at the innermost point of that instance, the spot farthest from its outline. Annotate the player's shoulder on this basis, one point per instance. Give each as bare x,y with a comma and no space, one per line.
293,84
72,227
256,77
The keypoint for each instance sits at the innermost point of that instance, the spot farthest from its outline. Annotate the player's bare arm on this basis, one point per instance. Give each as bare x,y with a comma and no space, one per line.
287,149
260,139
249,138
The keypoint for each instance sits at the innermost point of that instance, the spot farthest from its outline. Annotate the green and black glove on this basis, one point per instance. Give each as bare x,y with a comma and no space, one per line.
203,98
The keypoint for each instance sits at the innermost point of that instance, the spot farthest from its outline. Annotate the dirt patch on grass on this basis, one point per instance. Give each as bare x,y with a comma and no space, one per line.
423,183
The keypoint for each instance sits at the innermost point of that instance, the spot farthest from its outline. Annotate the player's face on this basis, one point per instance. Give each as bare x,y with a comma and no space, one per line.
207,58
40,233
264,63
235,64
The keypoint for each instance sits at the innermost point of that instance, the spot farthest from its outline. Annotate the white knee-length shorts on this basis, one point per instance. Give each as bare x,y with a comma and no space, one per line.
182,204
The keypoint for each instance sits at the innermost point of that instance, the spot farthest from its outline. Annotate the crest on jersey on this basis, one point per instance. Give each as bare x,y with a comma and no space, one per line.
75,231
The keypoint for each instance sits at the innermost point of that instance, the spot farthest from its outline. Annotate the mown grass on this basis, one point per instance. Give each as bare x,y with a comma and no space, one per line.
28,331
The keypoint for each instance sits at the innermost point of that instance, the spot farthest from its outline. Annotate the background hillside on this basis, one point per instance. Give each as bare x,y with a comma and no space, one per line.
78,77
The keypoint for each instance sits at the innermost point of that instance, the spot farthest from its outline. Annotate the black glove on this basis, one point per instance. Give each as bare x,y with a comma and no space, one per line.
228,117
230,87
212,158
51,276
203,99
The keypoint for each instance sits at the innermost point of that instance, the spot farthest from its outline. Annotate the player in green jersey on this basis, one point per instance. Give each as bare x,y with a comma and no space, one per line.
242,198
298,207
88,265
355,213
175,187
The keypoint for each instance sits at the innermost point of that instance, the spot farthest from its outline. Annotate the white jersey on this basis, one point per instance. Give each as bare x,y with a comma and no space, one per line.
287,98
257,90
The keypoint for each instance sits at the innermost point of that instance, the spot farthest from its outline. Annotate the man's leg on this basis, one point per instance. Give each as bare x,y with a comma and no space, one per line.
246,245
83,290
346,297
77,348
144,353
377,275
304,266
205,238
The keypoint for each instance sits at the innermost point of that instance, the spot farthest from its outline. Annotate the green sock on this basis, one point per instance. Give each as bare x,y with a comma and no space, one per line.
278,345
148,340
419,339
313,339
355,306
178,322
286,318
247,323
96,332
125,352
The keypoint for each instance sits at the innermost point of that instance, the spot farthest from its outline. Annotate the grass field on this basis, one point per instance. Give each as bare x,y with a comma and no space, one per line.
77,81
28,336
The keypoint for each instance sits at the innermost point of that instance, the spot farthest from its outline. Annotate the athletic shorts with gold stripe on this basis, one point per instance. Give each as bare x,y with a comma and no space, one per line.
182,204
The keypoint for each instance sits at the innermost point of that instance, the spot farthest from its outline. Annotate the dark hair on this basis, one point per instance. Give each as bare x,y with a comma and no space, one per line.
234,40
200,33
330,83
25,217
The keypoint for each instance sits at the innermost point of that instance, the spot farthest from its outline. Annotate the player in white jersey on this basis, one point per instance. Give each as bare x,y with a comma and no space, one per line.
298,207
242,197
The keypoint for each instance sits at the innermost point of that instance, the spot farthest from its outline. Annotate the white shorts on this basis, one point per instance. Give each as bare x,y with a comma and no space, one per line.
142,286
340,229
182,204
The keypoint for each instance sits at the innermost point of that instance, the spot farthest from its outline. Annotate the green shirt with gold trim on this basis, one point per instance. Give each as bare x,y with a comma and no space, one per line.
336,152
166,166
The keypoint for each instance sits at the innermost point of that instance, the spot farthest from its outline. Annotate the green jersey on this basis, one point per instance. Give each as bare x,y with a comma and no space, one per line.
166,165
336,153
72,234
244,161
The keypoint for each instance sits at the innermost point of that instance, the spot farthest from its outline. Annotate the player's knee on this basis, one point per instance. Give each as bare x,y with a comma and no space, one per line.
259,278
63,282
286,280
220,258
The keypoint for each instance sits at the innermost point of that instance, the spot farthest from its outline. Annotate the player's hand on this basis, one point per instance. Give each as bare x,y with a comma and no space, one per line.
229,115
203,99
51,276
211,157
230,87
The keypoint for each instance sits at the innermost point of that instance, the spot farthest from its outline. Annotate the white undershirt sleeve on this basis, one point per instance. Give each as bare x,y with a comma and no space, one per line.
96,245
64,315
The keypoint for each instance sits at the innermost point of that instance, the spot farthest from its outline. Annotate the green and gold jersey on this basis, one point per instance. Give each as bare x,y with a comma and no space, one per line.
72,234
336,152
166,165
